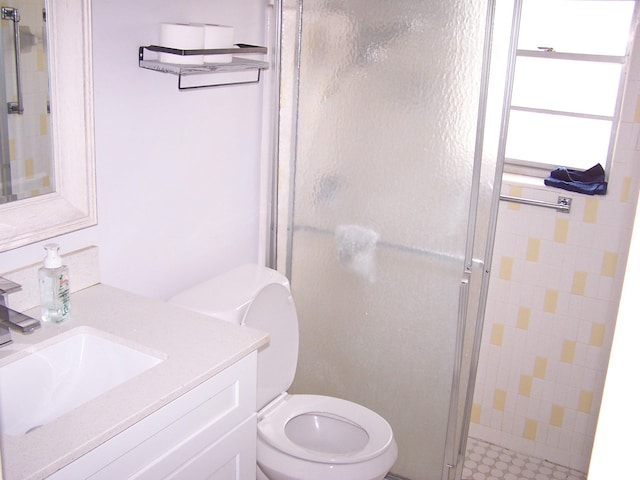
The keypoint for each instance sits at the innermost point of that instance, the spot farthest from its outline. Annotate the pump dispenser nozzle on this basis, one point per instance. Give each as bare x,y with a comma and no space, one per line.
52,260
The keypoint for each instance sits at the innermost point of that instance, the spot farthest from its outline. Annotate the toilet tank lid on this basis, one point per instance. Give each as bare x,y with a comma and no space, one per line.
227,295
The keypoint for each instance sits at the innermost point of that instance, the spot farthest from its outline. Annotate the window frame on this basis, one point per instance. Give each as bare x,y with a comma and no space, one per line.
541,169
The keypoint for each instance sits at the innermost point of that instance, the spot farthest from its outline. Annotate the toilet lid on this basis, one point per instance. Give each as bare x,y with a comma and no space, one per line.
274,312
271,429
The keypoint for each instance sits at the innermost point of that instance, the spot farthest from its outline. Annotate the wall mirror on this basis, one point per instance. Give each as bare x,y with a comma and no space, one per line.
46,142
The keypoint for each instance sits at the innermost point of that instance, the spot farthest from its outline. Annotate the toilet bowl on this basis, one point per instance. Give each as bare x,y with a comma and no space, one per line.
300,437
315,437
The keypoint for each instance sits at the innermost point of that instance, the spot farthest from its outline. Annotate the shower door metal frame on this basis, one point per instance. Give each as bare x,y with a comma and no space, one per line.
458,423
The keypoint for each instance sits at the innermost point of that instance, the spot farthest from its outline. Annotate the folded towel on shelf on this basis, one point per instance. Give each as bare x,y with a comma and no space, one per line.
589,181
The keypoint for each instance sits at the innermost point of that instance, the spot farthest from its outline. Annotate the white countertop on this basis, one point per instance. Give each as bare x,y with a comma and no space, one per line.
196,348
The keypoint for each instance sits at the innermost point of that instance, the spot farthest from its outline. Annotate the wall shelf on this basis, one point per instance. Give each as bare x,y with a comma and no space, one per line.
239,71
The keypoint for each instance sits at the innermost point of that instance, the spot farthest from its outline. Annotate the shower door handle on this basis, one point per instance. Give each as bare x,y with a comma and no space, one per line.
10,13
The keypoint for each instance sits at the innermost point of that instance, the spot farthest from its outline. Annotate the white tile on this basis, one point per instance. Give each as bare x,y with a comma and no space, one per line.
553,437
496,420
581,424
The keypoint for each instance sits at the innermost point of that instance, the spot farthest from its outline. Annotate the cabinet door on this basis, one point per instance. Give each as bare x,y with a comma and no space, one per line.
176,433
231,457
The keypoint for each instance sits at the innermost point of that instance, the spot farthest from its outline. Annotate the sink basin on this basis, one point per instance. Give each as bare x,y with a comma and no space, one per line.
53,380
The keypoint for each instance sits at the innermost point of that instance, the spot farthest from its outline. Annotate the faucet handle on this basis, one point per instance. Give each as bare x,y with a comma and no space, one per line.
7,286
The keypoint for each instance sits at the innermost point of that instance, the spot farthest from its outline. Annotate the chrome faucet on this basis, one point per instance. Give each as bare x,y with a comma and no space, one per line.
10,318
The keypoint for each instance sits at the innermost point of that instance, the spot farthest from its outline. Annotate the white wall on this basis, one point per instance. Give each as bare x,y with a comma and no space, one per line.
178,171
615,447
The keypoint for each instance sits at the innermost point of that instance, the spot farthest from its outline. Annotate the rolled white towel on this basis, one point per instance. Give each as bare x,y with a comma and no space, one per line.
357,248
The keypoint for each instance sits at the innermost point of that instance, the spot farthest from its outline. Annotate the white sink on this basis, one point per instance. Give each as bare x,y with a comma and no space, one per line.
53,380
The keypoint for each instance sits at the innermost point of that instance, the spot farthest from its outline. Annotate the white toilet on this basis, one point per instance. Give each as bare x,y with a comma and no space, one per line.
300,437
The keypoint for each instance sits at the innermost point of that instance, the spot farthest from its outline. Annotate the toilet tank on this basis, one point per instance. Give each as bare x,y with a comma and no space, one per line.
228,295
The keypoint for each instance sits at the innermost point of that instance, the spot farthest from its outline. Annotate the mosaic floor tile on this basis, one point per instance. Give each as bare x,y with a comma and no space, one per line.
485,461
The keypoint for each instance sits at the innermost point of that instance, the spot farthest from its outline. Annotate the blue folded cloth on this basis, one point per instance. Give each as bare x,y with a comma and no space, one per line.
589,181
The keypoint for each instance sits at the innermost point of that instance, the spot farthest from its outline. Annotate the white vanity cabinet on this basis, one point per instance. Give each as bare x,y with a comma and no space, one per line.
208,432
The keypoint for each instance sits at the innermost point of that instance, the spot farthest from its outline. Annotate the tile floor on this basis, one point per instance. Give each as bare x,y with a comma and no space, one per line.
485,461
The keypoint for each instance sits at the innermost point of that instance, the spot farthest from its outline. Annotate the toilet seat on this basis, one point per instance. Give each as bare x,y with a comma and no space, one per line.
271,429
301,437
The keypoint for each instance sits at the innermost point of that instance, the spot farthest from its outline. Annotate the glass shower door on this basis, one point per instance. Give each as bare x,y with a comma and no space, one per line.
376,183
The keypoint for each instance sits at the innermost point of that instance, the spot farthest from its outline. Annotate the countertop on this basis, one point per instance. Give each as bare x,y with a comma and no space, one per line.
194,348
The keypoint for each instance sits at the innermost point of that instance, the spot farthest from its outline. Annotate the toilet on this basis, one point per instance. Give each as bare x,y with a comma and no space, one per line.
300,437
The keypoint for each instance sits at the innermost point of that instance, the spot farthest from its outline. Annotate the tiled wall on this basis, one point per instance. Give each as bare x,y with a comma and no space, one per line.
555,287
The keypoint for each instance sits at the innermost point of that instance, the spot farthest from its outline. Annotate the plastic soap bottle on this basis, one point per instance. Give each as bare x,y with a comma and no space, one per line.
53,277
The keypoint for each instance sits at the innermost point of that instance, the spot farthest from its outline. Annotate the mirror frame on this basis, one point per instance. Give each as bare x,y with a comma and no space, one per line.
73,205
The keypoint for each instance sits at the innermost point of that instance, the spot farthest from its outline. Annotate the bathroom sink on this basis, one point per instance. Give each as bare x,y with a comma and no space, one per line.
54,379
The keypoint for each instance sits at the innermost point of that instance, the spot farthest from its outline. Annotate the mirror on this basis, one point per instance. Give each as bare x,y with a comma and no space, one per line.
70,203
26,168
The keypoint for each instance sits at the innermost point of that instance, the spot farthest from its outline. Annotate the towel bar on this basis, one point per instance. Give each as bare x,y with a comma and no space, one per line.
563,204
13,14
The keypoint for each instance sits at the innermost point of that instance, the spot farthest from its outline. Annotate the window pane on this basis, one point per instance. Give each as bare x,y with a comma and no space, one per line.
566,85
576,26
558,140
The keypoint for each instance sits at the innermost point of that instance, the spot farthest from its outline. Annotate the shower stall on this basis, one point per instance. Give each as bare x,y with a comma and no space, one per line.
386,209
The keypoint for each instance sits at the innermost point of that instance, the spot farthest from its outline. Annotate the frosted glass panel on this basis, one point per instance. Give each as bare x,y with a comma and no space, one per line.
388,106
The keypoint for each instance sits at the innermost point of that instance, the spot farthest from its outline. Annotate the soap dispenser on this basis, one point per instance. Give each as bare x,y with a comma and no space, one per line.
53,277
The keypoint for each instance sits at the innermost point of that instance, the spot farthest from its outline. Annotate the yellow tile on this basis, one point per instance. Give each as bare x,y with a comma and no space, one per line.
41,60
524,315
514,191
568,351
46,181
590,210
497,334
540,367
626,190
526,382
530,427
609,262
499,399
44,124
585,401
28,167
506,268
561,231
557,415
533,249
12,149
597,335
550,301
476,409
579,283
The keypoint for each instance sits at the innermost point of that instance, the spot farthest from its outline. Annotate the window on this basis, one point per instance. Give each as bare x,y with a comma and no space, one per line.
567,80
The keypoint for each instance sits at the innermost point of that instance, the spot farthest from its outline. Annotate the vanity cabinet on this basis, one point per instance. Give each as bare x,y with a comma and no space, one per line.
207,433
